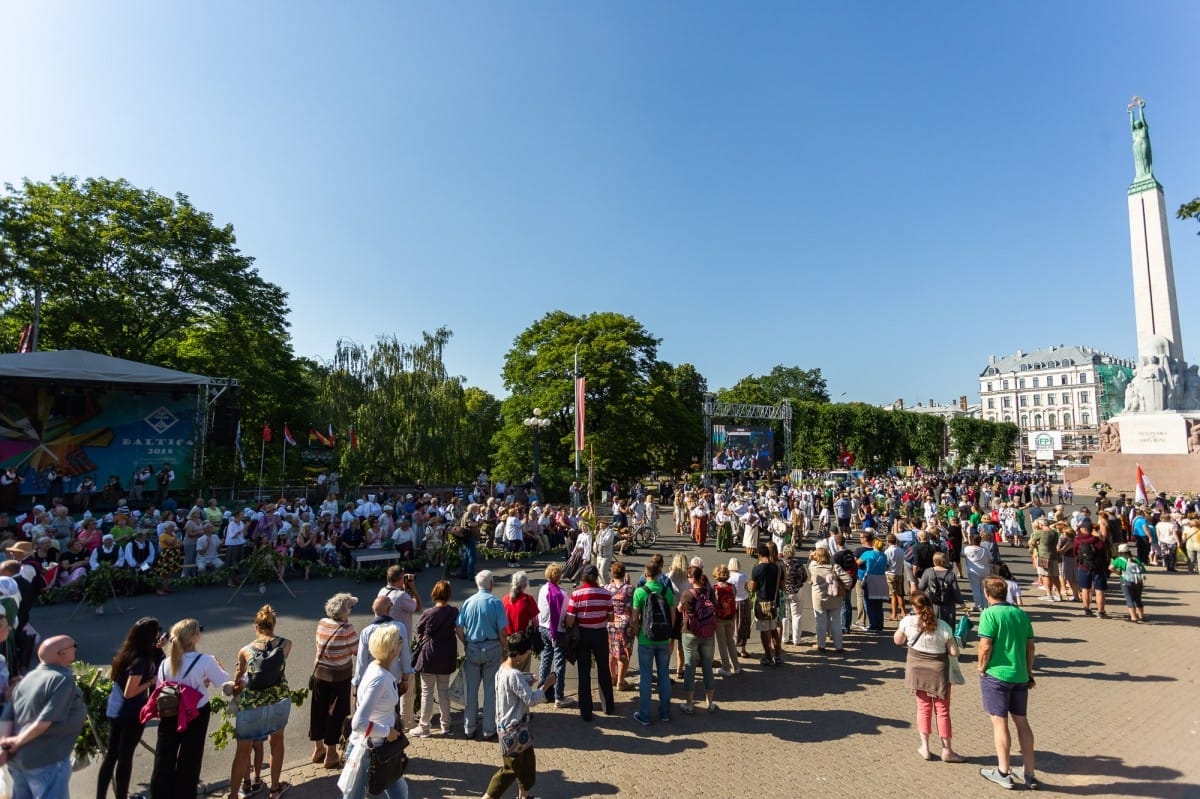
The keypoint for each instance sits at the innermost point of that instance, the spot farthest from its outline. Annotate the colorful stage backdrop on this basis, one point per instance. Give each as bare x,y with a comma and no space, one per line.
80,432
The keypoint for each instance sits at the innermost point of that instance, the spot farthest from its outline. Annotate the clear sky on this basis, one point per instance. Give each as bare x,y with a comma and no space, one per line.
888,191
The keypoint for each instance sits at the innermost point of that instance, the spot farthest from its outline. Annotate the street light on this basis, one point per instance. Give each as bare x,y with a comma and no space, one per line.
536,424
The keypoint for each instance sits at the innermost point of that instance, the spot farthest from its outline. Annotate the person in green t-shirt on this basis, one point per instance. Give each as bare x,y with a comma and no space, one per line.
1133,580
653,654
1006,652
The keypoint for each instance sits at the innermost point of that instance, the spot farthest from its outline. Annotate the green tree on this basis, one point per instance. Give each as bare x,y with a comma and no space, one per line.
626,384
789,383
1190,211
678,408
413,420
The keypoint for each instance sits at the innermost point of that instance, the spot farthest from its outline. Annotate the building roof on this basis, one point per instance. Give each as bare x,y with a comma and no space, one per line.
1052,357
81,366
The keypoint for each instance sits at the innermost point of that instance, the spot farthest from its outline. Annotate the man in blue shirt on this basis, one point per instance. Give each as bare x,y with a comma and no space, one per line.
1141,535
481,623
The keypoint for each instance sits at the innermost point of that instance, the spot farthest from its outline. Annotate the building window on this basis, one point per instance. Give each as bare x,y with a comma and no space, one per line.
991,403
1004,385
1062,381
1066,419
1021,400
1006,402
1066,398
1085,418
1049,380
989,386
1035,382
1021,383
1007,418
1083,398
1083,377
1037,399
1050,420
1024,420
1037,421
1049,399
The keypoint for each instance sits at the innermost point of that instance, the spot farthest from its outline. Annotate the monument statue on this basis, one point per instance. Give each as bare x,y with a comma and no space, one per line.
1110,437
1143,158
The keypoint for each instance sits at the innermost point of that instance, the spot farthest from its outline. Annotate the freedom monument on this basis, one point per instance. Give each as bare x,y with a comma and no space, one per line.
1159,426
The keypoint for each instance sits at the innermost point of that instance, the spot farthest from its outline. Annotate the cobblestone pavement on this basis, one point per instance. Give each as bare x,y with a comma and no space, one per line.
1115,711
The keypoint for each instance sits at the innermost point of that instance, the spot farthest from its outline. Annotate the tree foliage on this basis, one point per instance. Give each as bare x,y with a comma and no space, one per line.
638,410
1190,210
789,383
413,420
979,441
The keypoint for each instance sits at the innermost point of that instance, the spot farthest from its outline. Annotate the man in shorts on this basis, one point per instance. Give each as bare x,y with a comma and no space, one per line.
1006,652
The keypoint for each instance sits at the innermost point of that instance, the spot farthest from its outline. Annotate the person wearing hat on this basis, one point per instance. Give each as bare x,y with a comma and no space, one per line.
1044,544
1091,555
108,553
1133,581
590,607
140,553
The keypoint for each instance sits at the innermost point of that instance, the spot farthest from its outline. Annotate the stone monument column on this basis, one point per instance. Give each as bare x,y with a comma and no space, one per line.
1155,306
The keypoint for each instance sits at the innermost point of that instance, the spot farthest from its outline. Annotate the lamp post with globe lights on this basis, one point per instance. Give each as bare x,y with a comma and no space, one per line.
536,424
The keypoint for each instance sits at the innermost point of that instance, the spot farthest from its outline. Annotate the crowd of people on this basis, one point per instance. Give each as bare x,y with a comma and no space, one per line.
854,556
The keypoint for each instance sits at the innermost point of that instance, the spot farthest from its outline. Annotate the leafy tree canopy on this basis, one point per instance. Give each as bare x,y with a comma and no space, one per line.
1190,211
782,383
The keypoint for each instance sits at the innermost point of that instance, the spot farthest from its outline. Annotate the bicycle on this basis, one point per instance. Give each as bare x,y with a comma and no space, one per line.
645,536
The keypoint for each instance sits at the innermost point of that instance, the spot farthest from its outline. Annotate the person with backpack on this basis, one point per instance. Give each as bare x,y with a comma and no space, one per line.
1133,581
725,600
847,561
765,582
930,644
698,608
179,752
1092,556
263,706
829,583
941,586
653,617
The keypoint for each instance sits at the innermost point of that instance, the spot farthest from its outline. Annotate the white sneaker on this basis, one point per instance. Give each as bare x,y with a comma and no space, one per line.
566,701
724,673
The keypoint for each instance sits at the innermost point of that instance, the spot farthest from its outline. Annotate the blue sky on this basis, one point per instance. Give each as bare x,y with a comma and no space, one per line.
890,192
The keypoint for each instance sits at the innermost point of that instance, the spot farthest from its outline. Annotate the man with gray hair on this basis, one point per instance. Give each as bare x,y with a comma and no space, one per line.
480,626
47,713
402,666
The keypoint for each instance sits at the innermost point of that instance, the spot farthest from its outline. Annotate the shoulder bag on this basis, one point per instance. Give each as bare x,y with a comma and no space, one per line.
332,677
387,762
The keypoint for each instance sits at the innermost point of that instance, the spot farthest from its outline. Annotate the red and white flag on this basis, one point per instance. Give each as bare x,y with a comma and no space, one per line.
332,440
266,433
26,342
353,438
287,436
580,401
1141,491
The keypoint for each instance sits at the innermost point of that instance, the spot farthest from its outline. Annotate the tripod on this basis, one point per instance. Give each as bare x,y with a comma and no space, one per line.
261,555
104,574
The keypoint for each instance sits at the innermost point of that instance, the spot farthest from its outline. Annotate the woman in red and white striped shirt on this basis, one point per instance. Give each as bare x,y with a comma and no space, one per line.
329,705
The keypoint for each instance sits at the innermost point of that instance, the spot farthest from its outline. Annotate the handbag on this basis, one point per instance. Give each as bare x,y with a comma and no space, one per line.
387,763
515,739
954,670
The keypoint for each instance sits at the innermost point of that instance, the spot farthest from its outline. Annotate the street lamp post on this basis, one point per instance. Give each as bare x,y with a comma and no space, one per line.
536,424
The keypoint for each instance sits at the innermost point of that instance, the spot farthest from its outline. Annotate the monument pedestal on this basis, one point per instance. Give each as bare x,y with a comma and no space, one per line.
1174,474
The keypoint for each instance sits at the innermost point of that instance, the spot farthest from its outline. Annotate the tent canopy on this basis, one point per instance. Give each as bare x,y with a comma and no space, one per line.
90,367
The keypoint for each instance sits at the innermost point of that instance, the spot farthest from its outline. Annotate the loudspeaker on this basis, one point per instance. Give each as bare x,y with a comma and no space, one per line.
224,424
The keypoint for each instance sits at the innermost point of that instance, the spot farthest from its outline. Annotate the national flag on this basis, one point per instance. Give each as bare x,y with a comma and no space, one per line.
26,342
353,438
266,433
316,435
237,442
580,401
1143,487
332,440
287,436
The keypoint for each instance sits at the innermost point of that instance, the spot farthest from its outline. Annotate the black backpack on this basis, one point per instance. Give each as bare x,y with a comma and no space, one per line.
939,592
265,666
1090,556
656,619
845,558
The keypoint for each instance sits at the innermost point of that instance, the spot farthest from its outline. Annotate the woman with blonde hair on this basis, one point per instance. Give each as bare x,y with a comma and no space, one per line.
552,614
726,603
178,755
678,575
337,646
829,584
264,705
930,641
375,718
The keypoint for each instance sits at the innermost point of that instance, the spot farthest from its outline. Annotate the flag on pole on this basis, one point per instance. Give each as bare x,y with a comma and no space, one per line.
26,342
287,436
353,438
1143,487
332,441
316,435
237,442
266,433
580,394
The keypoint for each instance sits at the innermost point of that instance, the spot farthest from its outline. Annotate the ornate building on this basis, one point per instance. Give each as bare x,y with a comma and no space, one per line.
1058,396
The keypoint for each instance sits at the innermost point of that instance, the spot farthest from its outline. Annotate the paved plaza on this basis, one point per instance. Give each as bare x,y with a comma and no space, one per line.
1116,710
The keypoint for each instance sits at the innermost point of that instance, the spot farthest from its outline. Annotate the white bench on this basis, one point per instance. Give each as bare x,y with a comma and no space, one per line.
361,556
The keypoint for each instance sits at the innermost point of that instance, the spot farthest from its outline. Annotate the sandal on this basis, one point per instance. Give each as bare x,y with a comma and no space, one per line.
250,788
279,791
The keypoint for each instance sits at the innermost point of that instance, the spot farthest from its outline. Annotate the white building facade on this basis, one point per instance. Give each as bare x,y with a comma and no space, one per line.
1058,396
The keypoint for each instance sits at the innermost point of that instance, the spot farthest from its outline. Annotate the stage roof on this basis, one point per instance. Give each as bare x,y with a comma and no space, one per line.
90,367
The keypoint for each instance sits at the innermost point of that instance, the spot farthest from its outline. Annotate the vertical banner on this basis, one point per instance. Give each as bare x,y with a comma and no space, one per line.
580,394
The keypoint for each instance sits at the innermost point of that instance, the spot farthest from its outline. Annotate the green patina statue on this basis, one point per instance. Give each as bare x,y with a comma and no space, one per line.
1143,159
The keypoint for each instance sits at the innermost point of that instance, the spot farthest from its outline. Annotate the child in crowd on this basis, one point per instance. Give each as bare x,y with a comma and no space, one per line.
1133,581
